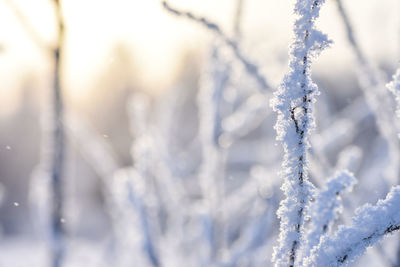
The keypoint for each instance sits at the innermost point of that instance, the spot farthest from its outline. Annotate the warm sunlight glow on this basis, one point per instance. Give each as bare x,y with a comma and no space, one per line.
156,42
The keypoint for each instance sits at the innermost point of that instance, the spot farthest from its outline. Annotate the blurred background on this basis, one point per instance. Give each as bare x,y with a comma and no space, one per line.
117,51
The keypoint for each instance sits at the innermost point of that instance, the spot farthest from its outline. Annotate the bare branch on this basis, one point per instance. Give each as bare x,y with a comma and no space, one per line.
36,38
58,147
238,19
252,68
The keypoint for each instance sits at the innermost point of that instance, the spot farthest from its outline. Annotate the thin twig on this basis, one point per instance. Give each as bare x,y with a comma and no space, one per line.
252,68
376,96
58,148
35,37
238,19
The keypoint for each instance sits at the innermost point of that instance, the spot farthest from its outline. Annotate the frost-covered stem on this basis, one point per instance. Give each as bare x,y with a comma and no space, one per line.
377,97
238,19
253,235
212,169
58,147
132,223
370,225
252,68
99,155
143,157
350,34
394,87
294,102
94,147
33,34
247,117
53,140
326,208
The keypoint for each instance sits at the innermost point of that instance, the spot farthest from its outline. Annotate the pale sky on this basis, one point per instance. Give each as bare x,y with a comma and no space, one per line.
159,41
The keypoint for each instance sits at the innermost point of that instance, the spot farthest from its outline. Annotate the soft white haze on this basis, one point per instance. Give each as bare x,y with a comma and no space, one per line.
158,41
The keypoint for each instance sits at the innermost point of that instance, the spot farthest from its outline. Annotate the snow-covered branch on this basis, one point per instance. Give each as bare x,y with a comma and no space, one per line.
252,68
212,170
294,104
394,87
326,207
370,224
247,117
378,99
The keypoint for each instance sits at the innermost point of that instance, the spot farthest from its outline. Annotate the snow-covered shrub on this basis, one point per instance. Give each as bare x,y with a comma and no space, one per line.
201,185
293,102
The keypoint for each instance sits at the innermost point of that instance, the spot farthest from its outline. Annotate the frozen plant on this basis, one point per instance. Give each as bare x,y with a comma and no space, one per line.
394,87
212,169
369,225
326,208
47,189
250,114
377,98
252,68
294,103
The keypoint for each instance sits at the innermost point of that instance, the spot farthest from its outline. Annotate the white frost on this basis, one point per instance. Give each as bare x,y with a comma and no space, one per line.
294,104
368,226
